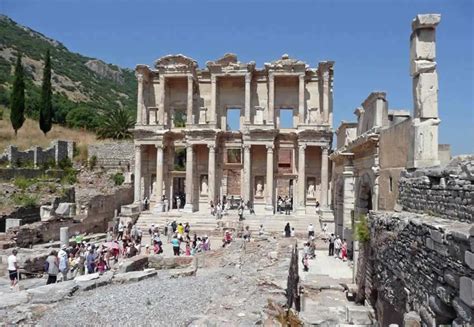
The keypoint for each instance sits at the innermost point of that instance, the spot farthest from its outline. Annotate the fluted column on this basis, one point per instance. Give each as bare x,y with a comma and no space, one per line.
301,99
161,104
213,113
269,190
138,175
189,207
301,178
140,100
189,111
271,98
247,173
248,79
324,177
212,173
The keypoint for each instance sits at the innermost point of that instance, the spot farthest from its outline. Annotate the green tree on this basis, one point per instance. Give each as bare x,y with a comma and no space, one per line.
46,109
116,124
17,115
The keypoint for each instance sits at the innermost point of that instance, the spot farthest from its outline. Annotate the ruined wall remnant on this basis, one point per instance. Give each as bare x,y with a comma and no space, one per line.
446,192
424,135
114,155
423,264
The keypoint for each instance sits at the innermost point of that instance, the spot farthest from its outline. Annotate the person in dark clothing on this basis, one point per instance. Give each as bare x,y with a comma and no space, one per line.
331,244
287,230
174,226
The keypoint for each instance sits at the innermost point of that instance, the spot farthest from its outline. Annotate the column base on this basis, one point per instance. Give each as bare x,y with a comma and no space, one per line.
139,204
159,207
269,208
188,207
326,215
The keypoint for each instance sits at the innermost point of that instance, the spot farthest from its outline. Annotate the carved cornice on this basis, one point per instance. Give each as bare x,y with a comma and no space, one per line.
229,64
176,63
286,64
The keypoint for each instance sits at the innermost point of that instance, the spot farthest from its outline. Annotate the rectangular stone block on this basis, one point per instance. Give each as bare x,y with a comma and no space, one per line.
425,21
466,291
425,95
423,45
423,151
421,66
469,259
12,222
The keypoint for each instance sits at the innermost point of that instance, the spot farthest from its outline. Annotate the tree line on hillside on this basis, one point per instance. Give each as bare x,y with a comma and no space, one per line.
115,123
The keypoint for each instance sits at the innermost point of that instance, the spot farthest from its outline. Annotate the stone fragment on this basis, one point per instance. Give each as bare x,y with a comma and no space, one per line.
53,292
92,281
136,263
411,319
425,21
186,272
469,259
66,210
436,235
64,236
418,67
425,95
359,315
13,299
440,308
462,310
466,291
134,276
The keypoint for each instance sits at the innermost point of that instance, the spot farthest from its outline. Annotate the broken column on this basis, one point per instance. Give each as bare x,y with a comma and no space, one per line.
423,150
64,236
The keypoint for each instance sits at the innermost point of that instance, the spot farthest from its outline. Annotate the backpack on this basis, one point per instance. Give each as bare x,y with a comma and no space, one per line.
46,266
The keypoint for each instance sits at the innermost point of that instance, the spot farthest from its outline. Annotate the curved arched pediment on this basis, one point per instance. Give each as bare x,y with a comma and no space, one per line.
176,62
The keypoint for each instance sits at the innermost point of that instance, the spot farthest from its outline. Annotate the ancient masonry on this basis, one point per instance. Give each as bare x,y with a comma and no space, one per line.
185,146
57,151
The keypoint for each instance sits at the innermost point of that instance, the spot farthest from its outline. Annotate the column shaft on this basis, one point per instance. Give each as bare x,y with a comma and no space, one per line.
247,173
138,174
189,178
213,114
212,173
301,178
140,103
269,190
161,104
248,79
271,98
159,173
324,177
301,99
189,111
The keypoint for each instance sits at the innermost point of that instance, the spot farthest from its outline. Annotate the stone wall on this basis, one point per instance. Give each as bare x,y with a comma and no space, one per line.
7,174
115,155
419,263
93,218
446,192
57,151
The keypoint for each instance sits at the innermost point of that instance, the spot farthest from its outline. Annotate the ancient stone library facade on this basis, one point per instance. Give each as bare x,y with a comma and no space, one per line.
233,130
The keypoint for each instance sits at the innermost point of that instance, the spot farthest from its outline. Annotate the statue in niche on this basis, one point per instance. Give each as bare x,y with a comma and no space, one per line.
259,188
204,186
311,192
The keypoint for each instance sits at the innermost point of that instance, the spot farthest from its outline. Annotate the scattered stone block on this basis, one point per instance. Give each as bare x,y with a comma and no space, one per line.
136,263
425,21
92,281
66,210
186,272
53,292
462,310
13,299
469,259
466,291
134,276
359,315
46,212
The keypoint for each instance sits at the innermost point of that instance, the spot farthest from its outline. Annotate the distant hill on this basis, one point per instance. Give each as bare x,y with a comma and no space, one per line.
82,85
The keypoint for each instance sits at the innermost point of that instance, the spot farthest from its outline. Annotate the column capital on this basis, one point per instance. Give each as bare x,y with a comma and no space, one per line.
270,147
271,77
213,78
138,147
139,77
248,77
159,146
247,147
301,77
190,78
325,148
212,147
302,146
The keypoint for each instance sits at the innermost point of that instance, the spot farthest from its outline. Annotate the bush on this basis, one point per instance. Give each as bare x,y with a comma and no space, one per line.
92,162
23,183
118,179
50,163
362,230
81,153
25,200
65,164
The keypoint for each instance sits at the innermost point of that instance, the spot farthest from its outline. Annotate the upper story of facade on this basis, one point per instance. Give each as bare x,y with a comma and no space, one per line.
229,95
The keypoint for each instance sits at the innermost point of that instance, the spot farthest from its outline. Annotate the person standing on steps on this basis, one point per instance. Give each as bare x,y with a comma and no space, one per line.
310,231
331,244
287,230
13,269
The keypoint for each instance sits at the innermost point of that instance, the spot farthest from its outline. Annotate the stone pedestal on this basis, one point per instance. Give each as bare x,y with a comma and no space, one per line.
258,120
64,236
12,222
46,212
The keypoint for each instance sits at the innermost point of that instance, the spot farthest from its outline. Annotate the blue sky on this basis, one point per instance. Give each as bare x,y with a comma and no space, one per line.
368,40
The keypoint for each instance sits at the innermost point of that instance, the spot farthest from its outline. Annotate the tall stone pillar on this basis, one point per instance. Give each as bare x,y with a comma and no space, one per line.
140,100
161,104
348,202
212,173
213,113
324,177
248,79
269,189
64,236
325,92
271,98
423,151
301,99
138,175
247,173
301,179
189,206
189,108
158,191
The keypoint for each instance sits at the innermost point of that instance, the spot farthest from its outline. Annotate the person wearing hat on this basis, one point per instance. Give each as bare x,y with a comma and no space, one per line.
63,262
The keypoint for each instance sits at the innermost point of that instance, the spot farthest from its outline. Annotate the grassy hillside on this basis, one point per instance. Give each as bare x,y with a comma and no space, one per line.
82,85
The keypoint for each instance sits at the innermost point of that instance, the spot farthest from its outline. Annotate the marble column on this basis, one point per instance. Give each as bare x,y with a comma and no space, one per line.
248,79
140,100
213,114
271,98
64,236
189,108
269,188
189,206
138,175
161,104
158,191
301,179
247,173
324,177
301,99
326,97
212,173
348,202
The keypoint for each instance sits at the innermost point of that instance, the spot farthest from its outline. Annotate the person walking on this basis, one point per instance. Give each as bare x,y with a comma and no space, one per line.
305,263
344,250
63,262
337,247
175,243
287,230
331,244
287,206
12,268
120,230
52,267
310,231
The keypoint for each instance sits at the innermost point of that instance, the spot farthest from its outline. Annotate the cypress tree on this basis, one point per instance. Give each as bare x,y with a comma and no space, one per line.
17,101
46,105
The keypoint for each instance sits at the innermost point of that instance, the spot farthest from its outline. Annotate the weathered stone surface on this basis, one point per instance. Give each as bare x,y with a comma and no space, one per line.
425,94
426,21
136,263
359,315
185,272
463,311
418,67
441,309
53,292
469,259
134,276
466,291
423,46
161,262
13,299
411,319
66,210
92,281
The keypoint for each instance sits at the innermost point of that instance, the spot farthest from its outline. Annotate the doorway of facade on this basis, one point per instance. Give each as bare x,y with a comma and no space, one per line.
179,195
